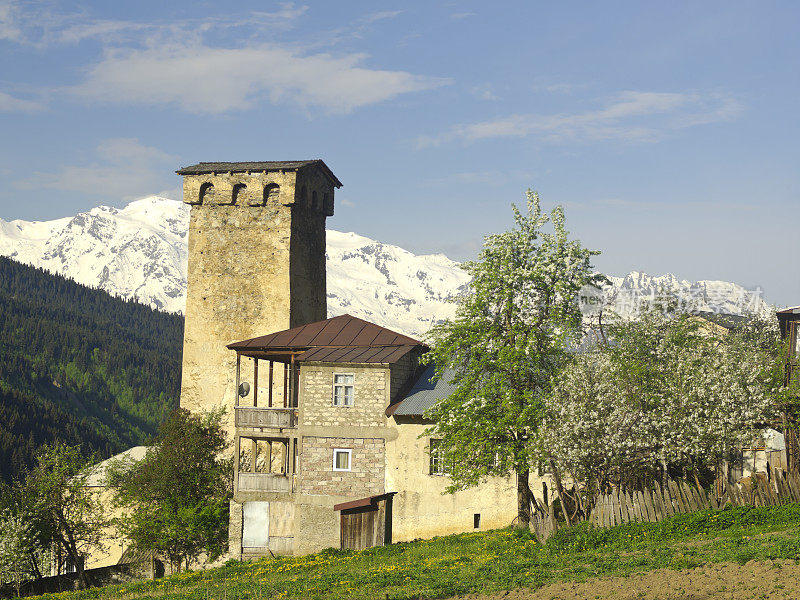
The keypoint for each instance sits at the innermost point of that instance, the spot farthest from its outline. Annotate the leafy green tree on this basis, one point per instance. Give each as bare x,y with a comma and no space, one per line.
176,498
510,335
64,510
18,549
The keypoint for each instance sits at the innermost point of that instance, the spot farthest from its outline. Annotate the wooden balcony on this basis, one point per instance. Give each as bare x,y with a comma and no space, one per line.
265,482
257,416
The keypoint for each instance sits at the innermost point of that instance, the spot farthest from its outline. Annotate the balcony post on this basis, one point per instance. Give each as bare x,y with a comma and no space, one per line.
285,384
255,382
238,373
293,384
236,460
271,364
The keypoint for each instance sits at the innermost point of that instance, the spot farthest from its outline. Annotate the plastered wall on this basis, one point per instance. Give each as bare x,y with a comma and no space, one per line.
421,509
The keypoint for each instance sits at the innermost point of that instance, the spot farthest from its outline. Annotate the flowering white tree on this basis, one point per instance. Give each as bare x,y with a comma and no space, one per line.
17,549
511,333
669,390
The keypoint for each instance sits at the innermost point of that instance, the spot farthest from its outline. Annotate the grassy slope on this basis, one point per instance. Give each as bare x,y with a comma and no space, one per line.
489,561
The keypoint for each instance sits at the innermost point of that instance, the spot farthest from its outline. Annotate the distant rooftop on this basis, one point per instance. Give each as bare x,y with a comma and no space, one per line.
265,166
98,472
425,393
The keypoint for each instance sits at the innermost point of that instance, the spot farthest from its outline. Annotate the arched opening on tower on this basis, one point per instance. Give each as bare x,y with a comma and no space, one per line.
314,200
271,193
239,193
207,193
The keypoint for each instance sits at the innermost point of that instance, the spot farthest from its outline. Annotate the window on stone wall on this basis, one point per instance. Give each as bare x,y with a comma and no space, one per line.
341,459
437,466
239,193
343,389
207,193
271,193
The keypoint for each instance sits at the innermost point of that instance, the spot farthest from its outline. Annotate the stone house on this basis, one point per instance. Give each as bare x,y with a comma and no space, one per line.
325,414
339,430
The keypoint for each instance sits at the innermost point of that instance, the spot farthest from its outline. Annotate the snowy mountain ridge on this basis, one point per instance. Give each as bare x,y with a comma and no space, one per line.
140,252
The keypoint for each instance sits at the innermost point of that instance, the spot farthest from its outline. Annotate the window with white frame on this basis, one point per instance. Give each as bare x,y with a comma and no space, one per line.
341,459
343,389
438,466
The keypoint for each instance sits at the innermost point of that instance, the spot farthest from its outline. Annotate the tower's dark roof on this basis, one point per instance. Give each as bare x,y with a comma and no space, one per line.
269,165
344,339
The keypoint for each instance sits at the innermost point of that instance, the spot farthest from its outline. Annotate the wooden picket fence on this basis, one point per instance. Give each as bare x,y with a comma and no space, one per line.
675,498
679,497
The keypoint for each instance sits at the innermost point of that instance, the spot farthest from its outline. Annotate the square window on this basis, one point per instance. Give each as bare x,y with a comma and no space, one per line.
341,459
437,465
343,389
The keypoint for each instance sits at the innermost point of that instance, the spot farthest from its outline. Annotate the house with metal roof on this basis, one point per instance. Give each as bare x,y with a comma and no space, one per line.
330,448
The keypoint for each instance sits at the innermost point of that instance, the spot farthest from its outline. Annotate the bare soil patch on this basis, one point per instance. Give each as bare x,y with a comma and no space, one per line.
766,580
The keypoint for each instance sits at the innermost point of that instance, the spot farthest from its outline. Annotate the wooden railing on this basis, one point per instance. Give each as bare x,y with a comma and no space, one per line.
265,482
257,416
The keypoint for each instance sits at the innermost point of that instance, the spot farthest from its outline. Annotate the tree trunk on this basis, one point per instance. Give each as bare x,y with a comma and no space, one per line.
523,499
72,552
560,488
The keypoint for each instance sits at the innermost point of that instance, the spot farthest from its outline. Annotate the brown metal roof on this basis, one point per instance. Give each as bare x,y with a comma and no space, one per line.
269,165
368,501
345,331
356,354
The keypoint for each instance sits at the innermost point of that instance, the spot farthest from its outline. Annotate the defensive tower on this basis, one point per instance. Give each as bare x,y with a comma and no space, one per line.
256,263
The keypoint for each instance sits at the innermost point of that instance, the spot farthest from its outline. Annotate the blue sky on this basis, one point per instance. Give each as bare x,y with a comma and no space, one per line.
669,131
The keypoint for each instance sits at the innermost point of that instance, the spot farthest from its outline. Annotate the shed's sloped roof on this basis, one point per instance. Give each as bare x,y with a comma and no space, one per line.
425,393
266,165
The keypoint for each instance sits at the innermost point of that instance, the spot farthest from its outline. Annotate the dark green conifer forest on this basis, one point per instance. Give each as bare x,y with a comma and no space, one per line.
80,366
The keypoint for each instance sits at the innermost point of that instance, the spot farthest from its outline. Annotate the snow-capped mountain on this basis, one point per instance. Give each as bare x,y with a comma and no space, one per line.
625,294
140,252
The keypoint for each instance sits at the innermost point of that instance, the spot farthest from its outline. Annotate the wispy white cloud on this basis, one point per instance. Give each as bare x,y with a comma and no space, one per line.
39,25
124,168
213,65
381,15
10,28
9,103
630,116
484,92
557,87
202,79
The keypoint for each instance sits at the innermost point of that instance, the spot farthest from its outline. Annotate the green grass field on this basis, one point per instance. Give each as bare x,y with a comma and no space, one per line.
487,561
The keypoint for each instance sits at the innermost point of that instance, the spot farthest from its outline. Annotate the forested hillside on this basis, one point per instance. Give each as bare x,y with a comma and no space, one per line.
79,365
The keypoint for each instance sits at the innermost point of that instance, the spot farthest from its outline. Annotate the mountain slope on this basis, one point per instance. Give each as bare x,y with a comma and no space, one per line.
79,365
140,252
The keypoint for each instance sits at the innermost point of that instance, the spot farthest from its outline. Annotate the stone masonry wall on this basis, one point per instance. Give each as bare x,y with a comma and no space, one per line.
402,371
369,400
244,279
366,477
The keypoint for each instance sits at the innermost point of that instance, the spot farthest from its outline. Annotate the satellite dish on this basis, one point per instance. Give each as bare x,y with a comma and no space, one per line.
244,389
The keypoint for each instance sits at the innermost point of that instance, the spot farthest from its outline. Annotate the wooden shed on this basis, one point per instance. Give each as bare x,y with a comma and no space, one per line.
366,522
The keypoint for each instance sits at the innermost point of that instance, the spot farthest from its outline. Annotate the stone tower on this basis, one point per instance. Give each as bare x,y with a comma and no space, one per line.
256,263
